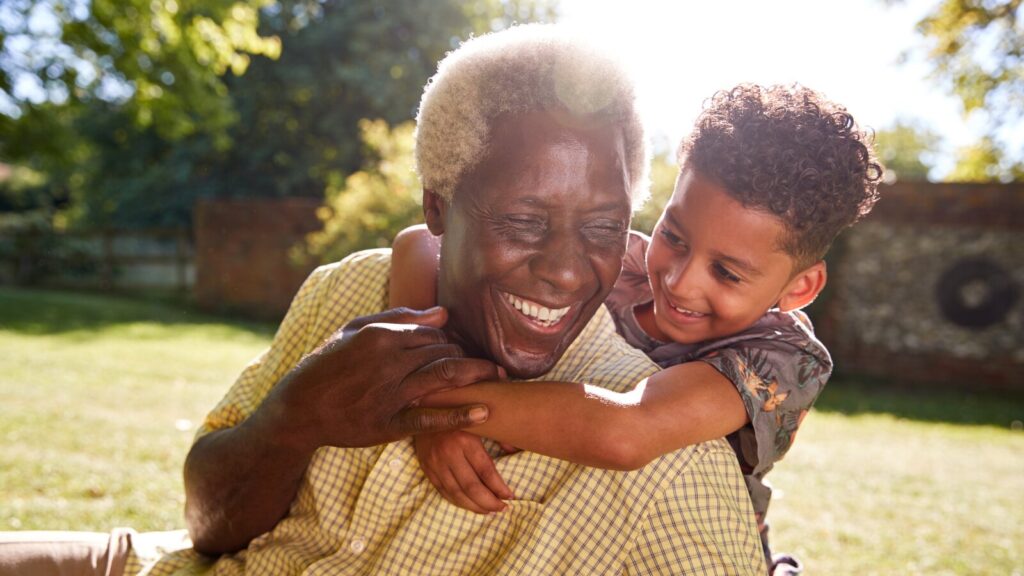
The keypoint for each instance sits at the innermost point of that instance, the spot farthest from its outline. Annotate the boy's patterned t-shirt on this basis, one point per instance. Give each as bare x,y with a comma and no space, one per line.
777,365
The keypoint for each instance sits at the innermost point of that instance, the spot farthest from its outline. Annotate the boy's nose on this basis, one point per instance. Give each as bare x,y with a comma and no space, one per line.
684,280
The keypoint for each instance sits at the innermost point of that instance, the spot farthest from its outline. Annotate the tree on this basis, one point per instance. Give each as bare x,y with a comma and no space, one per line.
663,179
984,161
163,63
341,62
906,149
976,48
188,129
374,203
90,89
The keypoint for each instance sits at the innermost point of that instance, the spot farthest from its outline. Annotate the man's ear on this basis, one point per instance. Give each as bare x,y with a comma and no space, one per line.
804,287
434,210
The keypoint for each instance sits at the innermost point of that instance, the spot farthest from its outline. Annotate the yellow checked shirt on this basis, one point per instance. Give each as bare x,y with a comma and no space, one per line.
372,511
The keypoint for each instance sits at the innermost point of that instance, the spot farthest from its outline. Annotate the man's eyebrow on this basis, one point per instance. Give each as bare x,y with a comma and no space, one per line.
538,202
609,206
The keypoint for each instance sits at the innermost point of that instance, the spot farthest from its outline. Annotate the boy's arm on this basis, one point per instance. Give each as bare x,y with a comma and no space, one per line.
676,407
414,255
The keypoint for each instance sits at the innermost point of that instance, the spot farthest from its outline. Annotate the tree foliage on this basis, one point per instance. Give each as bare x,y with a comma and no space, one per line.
976,48
984,161
162,63
907,150
139,109
663,179
375,203
341,62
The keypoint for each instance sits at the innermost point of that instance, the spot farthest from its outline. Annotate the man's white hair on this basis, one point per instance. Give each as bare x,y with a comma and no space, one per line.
525,68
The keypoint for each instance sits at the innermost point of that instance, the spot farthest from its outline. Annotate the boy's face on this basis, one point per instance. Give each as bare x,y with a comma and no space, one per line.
715,266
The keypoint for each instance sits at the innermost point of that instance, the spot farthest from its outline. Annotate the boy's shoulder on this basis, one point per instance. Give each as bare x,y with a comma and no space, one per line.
793,330
785,334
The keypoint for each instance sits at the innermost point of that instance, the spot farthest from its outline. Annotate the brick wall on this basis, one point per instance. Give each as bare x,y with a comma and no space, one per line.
242,253
929,289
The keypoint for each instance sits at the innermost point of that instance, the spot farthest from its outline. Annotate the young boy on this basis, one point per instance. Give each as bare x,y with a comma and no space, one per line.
768,178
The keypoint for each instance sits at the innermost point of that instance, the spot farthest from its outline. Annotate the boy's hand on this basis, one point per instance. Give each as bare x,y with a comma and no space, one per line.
462,471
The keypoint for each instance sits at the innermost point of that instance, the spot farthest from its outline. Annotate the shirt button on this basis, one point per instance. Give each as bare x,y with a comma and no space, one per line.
396,464
357,545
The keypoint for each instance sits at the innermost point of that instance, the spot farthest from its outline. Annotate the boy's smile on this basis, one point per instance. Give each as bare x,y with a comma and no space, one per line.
715,266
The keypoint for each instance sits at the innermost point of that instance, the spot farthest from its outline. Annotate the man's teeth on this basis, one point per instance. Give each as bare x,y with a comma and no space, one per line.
539,314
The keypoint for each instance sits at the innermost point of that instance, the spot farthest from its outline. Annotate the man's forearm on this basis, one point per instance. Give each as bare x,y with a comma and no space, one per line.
239,482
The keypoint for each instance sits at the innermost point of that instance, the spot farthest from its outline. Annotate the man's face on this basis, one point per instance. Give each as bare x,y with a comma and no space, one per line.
715,266
533,240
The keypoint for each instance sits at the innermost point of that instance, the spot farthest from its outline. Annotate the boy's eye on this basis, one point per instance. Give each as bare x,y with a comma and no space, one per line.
671,238
725,274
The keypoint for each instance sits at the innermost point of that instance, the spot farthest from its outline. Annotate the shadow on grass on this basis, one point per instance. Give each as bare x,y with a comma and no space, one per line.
43,312
852,396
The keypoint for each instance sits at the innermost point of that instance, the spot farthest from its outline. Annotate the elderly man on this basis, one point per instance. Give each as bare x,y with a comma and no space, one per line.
531,156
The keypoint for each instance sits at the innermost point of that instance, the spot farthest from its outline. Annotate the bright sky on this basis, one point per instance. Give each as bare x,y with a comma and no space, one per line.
683,51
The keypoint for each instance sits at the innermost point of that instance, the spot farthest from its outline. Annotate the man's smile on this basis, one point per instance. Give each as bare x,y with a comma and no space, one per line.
538,316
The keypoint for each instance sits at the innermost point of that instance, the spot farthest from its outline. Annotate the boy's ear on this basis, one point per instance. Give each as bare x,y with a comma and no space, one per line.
804,287
434,210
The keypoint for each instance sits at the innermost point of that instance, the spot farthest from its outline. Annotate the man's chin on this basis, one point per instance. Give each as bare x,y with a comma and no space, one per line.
524,365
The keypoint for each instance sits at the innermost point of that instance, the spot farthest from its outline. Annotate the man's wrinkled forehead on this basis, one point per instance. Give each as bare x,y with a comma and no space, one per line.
513,137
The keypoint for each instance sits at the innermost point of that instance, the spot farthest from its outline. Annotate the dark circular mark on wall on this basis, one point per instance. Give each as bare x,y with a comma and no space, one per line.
976,292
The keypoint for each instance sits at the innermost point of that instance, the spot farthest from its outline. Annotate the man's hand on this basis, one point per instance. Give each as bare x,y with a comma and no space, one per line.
462,471
360,388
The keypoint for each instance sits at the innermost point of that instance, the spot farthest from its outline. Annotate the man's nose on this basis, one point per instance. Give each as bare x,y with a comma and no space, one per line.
562,262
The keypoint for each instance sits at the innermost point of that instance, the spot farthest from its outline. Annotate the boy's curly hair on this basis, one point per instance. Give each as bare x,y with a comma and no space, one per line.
788,151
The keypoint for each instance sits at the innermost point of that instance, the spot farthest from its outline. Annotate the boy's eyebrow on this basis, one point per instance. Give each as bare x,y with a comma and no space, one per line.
746,267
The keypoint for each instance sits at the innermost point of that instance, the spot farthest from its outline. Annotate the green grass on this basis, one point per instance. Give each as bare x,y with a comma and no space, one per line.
100,397
867,492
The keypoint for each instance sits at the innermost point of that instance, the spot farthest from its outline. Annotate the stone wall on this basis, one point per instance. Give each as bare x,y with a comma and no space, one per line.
242,253
930,287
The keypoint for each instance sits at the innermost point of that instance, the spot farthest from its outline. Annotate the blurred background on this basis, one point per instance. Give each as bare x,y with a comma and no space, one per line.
171,170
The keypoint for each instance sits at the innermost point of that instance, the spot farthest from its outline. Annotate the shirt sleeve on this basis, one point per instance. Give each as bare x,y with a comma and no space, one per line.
330,297
632,282
290,344
778,383
701,524
634,263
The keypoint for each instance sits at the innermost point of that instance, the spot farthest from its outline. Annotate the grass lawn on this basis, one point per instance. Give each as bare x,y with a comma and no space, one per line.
100,397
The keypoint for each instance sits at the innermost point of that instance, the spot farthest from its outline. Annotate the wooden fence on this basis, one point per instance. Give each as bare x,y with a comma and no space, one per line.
119,260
